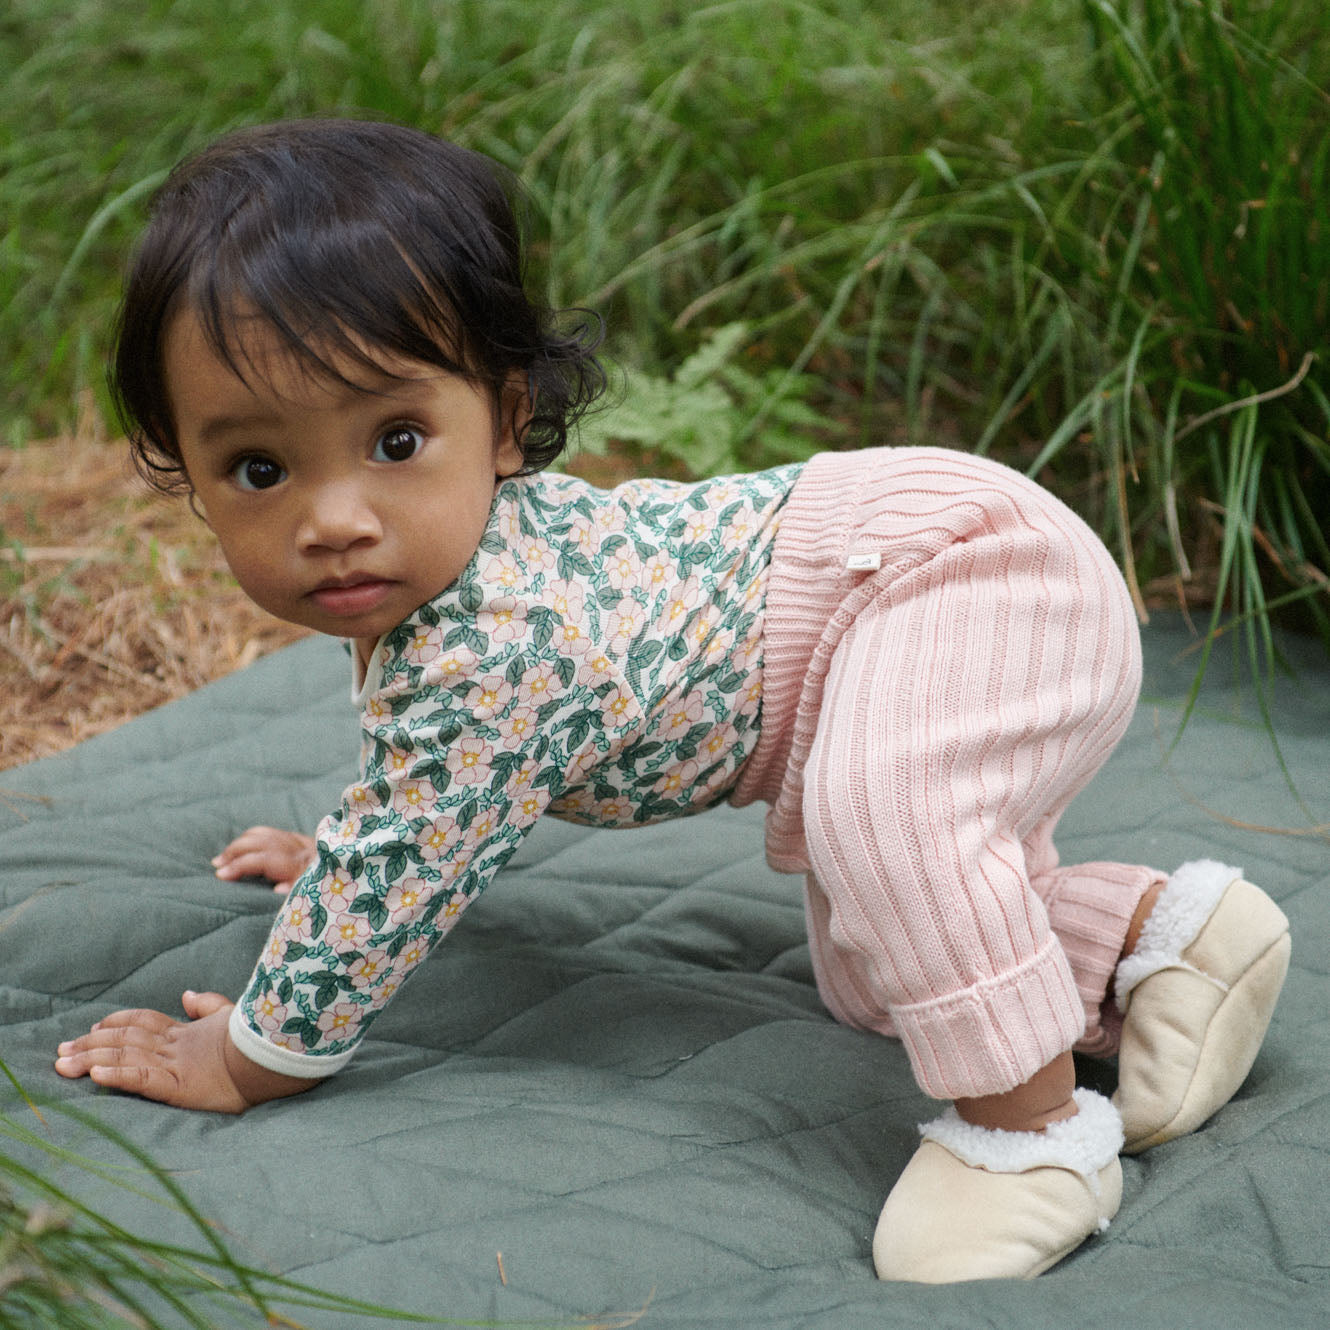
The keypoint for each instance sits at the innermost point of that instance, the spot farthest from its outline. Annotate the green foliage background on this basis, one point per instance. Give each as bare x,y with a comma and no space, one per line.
1084,235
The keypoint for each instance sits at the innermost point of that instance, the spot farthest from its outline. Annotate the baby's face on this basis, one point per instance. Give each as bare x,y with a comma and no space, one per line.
336,509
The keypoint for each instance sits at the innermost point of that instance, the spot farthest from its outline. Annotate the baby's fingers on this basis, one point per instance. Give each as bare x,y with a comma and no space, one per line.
101,1047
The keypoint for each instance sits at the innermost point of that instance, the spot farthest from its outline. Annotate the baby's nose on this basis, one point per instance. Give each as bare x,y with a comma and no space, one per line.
339,517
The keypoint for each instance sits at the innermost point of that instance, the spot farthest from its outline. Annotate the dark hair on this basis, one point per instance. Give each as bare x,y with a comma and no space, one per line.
349,238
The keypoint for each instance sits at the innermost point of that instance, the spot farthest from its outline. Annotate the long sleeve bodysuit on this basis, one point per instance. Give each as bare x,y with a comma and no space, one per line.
915,656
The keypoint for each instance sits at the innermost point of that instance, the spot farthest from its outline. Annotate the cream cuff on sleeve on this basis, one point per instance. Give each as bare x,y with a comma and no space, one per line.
312,1066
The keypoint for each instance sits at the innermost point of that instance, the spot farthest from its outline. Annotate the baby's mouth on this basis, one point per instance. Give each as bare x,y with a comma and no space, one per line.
345,597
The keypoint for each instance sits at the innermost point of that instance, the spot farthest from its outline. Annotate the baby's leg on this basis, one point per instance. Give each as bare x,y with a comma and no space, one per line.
966,703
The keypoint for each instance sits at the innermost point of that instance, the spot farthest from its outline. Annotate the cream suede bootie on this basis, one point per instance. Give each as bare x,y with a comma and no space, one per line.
975,1203
1196,995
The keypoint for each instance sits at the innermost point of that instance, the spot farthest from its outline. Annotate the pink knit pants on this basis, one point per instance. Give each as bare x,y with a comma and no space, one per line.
967,658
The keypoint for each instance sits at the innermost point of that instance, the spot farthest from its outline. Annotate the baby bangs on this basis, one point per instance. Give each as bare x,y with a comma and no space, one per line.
352,240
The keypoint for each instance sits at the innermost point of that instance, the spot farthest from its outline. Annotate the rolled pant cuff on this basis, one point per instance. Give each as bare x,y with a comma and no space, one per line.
994,1035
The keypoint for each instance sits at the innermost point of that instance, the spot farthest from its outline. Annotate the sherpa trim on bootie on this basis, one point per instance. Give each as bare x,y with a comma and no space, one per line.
1187,901
1085,1143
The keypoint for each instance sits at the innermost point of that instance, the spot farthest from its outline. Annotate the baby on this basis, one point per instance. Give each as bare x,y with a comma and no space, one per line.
915,657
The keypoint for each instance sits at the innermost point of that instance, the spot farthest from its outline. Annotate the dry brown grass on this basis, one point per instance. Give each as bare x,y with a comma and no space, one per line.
113,599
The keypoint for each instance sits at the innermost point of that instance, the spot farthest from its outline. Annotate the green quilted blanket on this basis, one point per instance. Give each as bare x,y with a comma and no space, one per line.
616,1072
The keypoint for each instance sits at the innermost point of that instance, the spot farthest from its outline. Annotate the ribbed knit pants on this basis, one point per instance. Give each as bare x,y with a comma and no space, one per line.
979,662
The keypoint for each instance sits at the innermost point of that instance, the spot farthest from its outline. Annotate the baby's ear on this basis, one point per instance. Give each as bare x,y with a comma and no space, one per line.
517,402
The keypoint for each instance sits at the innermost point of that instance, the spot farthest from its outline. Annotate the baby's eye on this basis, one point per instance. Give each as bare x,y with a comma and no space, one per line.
399,444
257,473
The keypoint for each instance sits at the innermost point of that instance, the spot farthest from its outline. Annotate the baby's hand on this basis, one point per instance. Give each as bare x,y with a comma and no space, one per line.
188,1064
280,856
149,1054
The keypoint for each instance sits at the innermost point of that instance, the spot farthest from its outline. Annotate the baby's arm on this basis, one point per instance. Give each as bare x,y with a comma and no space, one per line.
280,856
188,1064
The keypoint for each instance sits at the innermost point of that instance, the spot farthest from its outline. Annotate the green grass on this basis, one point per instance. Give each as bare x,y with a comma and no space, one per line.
64,1265
1086,237
1083,236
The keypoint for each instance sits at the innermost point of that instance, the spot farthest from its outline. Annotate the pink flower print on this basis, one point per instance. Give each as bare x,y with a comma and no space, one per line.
717,646
534,554
469,761
739,532
377,710
348,931
699,526
623,569
361,799
505,621
487,698
658,571
526,809
625,622
700,630
677,779
509,524
454,908
537,685
574,806
571,640
458,663
750,699
404,899
295,919
338,1022
583,536
502,570
595,669
520,781
612,812
719,741
619,708
481,829
337,892
274,950
386,990
566,598
269,1014
679,716
678,606
435,839
456,867
609,518
346,832
372,968
412,954
747,655
424,644
413,797
397,764
517,727
581,764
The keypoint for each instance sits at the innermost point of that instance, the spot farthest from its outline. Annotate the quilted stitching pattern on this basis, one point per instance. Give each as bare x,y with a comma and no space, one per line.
635,1088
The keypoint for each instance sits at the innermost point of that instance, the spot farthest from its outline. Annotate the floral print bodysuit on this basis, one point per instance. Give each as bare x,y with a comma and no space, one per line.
598,659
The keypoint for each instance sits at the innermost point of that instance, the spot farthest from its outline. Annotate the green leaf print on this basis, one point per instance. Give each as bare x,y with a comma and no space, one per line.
304,1029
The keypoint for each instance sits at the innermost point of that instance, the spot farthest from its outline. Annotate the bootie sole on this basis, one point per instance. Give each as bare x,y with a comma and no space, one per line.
1187,1044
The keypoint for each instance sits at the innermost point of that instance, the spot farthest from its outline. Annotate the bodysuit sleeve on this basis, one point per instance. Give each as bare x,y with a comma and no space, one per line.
473,726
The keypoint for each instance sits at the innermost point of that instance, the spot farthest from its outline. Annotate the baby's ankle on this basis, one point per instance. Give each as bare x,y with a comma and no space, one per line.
1045,1098
1143,911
